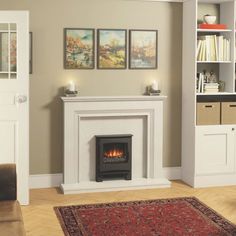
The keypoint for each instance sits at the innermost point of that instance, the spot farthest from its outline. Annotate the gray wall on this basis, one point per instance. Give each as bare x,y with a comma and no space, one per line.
47,20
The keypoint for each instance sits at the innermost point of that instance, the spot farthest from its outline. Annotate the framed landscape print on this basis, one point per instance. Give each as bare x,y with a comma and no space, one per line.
78,48
111,46
143,49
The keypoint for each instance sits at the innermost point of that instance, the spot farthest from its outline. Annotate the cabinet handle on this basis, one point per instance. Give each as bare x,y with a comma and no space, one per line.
208,106
232,105
232,129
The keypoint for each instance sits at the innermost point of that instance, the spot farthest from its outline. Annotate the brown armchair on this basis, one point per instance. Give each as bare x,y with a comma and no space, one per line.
11,221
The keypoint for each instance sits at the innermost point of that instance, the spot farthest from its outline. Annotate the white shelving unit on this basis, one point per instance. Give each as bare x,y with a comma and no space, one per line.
208,151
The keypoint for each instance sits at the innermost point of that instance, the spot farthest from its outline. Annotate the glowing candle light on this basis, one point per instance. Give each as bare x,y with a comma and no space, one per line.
71,86
154,85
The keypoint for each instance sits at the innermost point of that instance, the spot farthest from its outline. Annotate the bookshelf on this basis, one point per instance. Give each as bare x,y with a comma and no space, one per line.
208,151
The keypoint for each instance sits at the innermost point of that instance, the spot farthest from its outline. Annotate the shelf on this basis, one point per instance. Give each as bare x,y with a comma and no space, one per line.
219,93
212,1
213,62
214,30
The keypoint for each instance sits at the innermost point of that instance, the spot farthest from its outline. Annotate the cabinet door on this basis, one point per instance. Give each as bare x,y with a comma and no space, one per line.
215,149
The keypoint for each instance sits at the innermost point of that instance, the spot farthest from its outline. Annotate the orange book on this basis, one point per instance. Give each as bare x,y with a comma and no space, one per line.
212,26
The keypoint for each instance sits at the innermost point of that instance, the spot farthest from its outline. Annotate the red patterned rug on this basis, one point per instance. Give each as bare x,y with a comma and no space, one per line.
163,217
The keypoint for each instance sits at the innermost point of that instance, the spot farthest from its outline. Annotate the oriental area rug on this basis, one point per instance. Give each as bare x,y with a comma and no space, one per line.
163,217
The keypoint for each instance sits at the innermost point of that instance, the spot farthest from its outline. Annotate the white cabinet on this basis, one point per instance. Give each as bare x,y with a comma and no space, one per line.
215,149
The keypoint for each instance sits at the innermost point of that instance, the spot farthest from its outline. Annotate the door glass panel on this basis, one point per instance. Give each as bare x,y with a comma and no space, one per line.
13,75
4,27
8,51
4,50
13,26
13,52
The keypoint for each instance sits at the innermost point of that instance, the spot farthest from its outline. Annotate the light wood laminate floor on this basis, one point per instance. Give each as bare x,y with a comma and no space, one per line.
40,219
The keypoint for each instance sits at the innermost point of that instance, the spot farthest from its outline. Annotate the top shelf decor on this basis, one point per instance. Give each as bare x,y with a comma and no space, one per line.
212,26
210,23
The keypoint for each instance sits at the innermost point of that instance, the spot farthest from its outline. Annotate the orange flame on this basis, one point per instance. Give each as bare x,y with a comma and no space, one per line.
115,153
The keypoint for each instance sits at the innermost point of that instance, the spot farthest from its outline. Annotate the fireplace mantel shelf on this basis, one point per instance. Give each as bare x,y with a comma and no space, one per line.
113,98
86,117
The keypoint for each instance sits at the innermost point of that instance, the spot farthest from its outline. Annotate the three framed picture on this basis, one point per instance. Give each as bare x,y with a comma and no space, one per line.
79,49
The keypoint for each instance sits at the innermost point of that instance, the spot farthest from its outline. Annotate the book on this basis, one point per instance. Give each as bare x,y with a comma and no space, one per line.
213,48
216,48
224,50
211,90
204,51
200,85
208,47
206,88
211,87
199,43
220,48
212,26
212,84
228,50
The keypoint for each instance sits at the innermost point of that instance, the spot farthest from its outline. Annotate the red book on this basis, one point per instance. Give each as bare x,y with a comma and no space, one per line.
212,26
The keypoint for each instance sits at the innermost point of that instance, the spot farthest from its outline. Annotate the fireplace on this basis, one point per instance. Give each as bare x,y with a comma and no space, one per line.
113,156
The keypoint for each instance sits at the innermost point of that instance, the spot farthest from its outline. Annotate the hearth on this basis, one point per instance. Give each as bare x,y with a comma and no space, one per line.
113,156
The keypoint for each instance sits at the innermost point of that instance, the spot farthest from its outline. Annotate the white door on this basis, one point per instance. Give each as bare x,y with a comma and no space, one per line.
14,96
215,149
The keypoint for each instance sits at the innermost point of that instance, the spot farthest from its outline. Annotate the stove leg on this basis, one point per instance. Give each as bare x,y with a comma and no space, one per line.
99,179
128,176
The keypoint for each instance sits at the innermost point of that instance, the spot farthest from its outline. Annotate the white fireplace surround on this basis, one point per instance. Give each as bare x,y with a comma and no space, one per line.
85,117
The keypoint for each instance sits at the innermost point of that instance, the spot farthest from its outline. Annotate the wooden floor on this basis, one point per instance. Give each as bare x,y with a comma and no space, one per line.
40,219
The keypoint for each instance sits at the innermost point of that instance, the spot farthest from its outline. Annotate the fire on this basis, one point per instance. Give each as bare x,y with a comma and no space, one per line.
115,153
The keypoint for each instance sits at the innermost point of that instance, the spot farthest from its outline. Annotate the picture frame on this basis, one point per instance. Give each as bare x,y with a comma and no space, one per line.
31,52
143,46
111,48
79,48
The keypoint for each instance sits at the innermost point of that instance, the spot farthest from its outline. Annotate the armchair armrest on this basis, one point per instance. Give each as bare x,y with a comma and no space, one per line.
7,182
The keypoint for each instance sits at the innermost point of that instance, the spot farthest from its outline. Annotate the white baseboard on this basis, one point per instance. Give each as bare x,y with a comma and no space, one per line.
45,180
55,180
